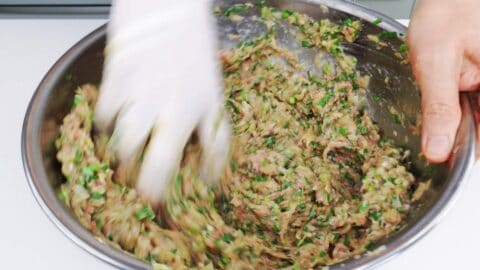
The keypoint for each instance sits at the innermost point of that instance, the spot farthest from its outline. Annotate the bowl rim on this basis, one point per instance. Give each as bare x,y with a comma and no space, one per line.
47,199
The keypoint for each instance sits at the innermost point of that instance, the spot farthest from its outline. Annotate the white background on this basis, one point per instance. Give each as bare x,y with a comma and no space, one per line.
28,240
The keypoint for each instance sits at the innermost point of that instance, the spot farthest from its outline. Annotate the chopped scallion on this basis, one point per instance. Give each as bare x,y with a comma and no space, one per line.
377,21
145,213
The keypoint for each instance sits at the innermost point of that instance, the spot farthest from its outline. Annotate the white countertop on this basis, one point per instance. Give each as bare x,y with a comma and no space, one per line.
28,48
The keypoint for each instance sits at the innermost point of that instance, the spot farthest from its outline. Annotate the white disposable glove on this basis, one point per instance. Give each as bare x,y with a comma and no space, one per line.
161,79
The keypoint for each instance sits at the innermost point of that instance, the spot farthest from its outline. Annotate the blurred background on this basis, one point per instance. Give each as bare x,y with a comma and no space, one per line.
398,9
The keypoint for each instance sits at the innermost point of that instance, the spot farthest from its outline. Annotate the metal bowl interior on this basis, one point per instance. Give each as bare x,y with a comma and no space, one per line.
83,64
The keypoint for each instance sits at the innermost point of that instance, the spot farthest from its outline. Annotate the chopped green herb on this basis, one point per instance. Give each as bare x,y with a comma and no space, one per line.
77,100
233,165
287,184
388,34
397,202
397,118
375,215
315,79
391,180
336,51
260,3
266,12
99,223
236,10
376,98
322,254
346,240
306,44
96,196
377,21
229,104
345,105
325,99
309,102
63,194
98,167
342,131
403,48
300,242
328,197
369,246
270,141
201,210
286,13
362,130
88,173
227,238
179,183
329,215
260,178
246,43
145,213
326,68
68,77
301,206
363,206
308,240
224,260
279,200
78,157
347,22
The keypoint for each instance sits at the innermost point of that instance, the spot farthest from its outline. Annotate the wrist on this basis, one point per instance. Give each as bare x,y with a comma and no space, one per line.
131,31
144,14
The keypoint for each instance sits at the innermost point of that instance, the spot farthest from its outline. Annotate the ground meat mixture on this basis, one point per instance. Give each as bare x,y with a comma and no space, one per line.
311,181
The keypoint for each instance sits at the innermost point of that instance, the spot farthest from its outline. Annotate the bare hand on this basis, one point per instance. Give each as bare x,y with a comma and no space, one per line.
444,42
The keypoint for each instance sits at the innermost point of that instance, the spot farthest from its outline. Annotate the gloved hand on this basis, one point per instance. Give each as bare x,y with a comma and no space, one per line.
444,43
161,79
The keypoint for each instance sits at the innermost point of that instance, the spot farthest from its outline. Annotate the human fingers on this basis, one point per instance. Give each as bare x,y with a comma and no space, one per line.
437,71
214,132
162,157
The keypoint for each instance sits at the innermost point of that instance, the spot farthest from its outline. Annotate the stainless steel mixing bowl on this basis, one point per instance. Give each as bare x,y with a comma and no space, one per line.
83,64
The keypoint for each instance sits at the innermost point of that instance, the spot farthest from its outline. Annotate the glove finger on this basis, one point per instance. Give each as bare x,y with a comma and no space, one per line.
215,133
111,98
131,131
162,158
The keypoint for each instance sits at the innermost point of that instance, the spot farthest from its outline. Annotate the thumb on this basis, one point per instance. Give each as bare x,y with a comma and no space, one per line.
437,70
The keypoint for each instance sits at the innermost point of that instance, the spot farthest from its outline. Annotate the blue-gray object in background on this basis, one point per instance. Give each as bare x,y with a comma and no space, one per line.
398,9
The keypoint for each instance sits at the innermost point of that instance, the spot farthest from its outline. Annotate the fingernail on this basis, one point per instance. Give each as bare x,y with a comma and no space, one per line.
437,146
